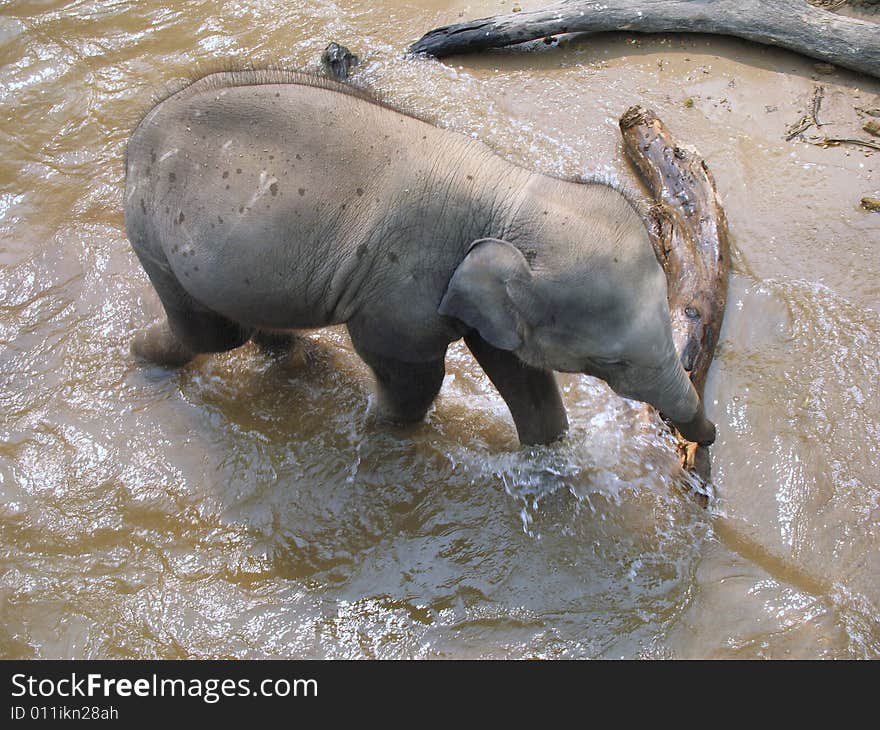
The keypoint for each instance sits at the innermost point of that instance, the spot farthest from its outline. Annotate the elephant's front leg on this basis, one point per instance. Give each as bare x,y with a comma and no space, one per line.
405,389
531,394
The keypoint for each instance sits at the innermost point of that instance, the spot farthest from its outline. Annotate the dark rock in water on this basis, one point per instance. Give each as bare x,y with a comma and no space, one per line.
337,60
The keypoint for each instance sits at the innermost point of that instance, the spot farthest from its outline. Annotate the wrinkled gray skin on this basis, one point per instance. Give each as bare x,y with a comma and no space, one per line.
260,202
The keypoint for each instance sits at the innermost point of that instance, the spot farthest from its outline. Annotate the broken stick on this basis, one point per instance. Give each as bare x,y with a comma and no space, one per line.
690,238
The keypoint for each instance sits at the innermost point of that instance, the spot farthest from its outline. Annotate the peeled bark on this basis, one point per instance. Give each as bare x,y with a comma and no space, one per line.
793,24
690,238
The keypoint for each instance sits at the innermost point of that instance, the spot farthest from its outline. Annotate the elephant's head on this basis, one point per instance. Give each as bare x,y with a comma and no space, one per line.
605,315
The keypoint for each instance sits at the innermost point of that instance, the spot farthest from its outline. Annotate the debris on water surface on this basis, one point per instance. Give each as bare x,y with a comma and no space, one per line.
808,120
872,204
338,60
836,141
872,127
824,68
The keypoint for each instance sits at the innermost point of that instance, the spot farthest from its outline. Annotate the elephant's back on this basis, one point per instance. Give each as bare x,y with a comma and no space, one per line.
275,185
301,137
289,106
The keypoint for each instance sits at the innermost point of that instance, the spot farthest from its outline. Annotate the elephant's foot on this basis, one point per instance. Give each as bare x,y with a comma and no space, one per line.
275,343
158,345
391,410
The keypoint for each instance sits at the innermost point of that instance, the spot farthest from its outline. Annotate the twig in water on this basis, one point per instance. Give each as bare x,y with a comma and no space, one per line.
818,95
797,128
835,141
811,120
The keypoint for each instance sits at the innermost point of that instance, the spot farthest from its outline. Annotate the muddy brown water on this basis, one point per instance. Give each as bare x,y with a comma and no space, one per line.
252,507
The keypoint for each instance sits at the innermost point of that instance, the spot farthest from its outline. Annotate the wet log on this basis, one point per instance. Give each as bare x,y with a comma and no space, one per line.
690,238
797,25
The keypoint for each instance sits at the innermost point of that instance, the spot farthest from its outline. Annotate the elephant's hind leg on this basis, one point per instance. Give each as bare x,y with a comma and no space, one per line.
189,329
185,334
405,389
159,345
531,394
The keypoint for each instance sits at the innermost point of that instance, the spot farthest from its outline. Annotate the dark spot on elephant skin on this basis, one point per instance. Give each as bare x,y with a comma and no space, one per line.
172,177
302,191
247,281
360,191
392,257
273,188
225,174
143,207
241,209
238,171
298,157
153,156
219,219
181,218
362,250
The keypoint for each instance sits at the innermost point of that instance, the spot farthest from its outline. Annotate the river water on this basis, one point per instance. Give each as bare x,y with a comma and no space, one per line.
247,506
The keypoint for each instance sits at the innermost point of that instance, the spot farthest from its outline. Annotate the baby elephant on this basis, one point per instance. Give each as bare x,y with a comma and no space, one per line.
266,201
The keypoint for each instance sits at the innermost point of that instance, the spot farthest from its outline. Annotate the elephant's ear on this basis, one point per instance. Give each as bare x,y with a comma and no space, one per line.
480,292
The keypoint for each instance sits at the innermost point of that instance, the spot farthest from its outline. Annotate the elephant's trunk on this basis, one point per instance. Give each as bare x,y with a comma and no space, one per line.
677,401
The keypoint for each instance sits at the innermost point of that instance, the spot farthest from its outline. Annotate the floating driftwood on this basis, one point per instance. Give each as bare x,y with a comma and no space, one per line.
793,24
689,234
